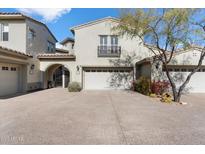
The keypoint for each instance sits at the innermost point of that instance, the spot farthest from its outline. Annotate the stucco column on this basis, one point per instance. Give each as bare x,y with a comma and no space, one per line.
63,77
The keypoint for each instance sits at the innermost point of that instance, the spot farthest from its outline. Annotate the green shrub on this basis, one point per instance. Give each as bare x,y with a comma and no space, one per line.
142,85
74,87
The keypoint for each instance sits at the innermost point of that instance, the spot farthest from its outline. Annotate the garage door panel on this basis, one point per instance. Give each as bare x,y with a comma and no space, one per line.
105,80
9,79
196,83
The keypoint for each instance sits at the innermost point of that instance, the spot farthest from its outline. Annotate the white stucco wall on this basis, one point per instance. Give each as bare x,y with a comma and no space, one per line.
87,41
68,46
17,35
190,57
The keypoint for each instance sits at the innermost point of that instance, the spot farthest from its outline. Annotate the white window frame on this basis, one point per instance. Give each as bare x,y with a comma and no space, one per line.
104,42
31,34
114,40
2,30
50,46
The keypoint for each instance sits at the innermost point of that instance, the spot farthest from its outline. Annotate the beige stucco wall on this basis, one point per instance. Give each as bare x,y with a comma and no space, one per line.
87,41
70,65
190,57
68,46
17,35
39,44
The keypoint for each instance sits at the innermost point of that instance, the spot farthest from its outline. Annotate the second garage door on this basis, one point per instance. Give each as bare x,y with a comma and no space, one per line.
107,78
9,79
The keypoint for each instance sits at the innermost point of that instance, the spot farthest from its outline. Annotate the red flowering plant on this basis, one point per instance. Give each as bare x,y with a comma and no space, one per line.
159,87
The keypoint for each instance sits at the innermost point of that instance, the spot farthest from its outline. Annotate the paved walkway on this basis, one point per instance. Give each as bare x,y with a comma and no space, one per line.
56,116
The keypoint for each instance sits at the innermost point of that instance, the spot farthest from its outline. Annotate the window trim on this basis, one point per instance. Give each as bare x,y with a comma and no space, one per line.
48,46
33,34
2,32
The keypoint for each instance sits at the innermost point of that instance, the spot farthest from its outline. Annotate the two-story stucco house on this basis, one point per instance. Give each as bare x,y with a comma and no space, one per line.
21,39
96,57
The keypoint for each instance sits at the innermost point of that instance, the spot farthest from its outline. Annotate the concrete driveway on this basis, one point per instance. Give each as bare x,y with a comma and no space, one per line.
55,116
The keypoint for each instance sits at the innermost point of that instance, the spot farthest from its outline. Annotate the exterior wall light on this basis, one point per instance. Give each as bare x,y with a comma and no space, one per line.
157,65
31,69
78,68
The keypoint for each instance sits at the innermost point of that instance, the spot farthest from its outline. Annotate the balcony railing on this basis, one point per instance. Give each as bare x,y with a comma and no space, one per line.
109,51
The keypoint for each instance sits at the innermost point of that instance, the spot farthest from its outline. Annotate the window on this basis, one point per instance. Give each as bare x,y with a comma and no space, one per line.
51,46
183,69
13,68
103,40
114,40
114,44
5,68
31,34
109,46
4,32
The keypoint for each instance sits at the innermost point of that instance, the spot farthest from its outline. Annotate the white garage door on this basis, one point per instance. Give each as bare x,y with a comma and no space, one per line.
9,78
105,79
196,83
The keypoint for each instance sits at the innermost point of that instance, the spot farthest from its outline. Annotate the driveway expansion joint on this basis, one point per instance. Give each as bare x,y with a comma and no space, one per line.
117,119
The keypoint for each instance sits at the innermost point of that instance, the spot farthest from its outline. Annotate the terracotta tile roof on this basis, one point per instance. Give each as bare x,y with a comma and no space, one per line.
15,52
55,55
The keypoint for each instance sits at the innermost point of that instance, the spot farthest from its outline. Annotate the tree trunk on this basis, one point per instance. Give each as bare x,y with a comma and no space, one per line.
173,86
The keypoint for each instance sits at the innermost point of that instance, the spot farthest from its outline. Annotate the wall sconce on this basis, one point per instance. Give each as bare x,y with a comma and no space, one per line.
31,68
78,68
157,65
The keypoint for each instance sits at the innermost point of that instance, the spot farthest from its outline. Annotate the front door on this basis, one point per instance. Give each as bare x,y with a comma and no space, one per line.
57,77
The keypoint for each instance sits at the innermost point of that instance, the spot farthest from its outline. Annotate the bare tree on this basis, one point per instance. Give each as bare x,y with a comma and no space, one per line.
164,32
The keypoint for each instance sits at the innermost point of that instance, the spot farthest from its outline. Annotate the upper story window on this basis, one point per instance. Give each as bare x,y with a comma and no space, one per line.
103,40
51,47
5,32
31,34
114,40
109,46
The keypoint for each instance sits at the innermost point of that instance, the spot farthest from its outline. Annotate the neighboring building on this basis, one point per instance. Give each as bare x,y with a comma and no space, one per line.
97,57
182,64
29,38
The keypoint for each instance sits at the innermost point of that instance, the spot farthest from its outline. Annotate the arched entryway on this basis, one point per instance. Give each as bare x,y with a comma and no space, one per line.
57,75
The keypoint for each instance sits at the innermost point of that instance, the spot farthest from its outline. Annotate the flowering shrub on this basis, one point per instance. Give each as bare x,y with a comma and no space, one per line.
166,98
159,87
142,85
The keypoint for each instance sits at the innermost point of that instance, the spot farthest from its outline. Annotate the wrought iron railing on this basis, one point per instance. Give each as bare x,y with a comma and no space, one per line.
109,51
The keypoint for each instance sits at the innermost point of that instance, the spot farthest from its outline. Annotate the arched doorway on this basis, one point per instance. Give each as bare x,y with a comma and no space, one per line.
57,76
61,76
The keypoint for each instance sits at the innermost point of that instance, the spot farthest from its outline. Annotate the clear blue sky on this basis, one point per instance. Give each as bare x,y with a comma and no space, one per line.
60,27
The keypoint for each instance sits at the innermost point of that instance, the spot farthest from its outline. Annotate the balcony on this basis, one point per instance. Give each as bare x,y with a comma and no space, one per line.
109,51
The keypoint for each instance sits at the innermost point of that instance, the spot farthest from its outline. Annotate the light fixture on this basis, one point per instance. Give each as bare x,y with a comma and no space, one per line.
32,67
78,68
157,65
